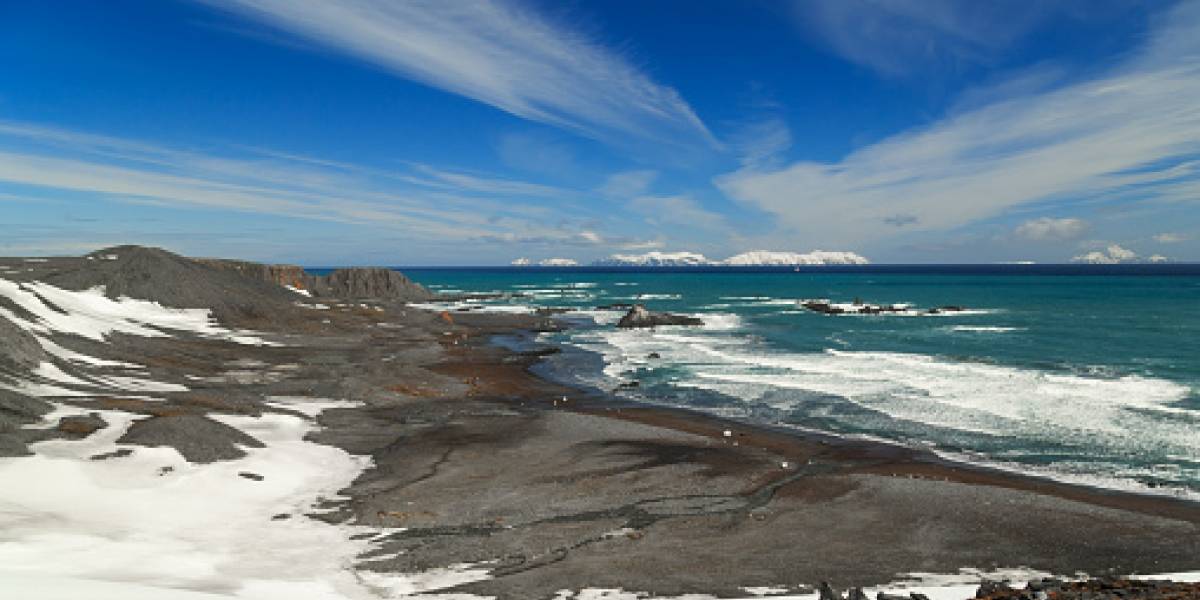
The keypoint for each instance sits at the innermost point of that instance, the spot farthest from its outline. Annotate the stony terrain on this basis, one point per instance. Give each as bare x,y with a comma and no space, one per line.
475,461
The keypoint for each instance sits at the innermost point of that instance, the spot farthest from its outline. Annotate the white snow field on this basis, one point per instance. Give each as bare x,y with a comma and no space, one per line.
151,525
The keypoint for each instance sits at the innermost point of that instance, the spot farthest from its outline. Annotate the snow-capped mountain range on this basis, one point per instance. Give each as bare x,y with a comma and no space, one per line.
756,258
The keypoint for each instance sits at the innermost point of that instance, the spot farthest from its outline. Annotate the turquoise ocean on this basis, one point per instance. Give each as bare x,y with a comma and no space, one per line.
1082,374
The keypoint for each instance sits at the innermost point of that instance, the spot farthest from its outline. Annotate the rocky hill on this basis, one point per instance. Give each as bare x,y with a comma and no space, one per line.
352,283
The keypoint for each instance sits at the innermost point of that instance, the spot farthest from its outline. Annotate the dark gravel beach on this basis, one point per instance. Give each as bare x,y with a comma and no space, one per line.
475,460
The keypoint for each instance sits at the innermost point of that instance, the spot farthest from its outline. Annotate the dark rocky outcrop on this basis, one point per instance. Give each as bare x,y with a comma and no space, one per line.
375,283
638,316
1091,589
18,348
368,282
198,438
283,275
16,411
80,426
615,306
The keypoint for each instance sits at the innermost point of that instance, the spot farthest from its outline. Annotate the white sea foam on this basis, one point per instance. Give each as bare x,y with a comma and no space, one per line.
984,329
934,399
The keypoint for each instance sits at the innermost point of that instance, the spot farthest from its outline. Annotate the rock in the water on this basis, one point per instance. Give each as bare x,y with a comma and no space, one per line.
198,438
638,316
856,594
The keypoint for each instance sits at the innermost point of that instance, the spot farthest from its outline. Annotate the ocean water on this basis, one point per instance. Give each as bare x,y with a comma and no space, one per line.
1083,374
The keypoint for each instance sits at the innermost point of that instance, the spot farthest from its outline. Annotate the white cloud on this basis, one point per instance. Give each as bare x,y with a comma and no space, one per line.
676,210
627,184
1170,238
1137,125
497,53
761,142
591,236
458,206
1046,228
1111,255
899,37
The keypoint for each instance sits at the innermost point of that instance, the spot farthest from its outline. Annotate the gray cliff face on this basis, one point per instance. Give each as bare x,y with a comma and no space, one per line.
368,282
374,283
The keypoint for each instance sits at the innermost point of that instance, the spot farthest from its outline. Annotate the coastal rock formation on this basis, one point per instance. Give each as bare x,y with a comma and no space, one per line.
858,307
638,316
375,283
293,276
352,283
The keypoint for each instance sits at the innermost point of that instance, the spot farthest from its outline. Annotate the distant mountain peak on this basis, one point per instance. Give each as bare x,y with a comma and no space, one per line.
755,258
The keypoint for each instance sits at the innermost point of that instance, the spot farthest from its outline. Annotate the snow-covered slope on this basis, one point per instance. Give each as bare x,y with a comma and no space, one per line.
816,257
558,262
754,258
655,259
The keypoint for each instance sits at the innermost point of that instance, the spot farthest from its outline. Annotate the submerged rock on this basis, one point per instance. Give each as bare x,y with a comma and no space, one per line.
638,316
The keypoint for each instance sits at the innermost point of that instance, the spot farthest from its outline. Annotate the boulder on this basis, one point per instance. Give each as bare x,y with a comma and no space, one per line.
80,426
638,316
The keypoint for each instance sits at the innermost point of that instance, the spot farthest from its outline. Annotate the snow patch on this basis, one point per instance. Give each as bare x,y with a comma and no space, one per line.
152,525
92,315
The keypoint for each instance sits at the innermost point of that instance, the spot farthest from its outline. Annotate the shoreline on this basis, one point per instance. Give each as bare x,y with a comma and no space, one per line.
886,458
477,477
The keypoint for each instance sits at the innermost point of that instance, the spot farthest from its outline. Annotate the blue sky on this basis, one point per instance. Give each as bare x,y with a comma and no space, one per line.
431,133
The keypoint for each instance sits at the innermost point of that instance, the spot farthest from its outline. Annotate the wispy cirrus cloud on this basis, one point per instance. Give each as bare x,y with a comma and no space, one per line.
498,53
1130,135
678,211
421,201
900,37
